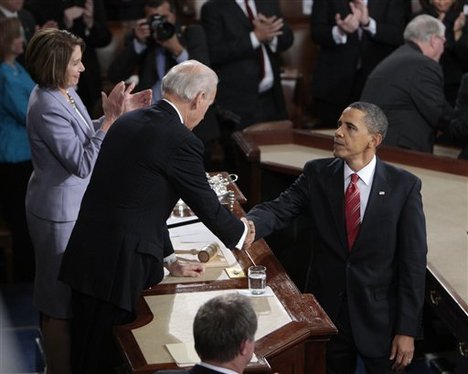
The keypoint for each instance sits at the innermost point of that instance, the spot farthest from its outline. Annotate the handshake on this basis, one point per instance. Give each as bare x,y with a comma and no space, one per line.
250,238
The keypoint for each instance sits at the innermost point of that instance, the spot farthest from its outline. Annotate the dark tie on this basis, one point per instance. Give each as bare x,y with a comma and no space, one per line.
352,210
261,60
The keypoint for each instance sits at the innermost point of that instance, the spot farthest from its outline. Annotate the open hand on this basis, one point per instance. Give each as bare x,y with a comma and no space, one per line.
137,100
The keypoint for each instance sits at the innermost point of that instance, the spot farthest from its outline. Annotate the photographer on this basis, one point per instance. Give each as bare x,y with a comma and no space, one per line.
156,44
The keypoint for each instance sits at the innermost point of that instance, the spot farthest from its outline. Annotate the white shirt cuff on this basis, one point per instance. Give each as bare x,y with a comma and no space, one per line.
337,37
170,259
371,27
254,40
240,243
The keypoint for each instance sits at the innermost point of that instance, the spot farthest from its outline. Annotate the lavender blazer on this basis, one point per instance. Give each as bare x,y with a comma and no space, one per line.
64,149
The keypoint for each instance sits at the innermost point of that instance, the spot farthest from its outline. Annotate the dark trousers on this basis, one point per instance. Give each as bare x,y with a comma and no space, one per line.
93,347
14,179
342,352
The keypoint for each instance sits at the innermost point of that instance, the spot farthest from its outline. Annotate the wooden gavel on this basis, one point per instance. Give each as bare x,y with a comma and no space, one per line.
205,254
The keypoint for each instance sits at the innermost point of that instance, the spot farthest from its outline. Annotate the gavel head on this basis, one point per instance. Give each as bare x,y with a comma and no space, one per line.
208,252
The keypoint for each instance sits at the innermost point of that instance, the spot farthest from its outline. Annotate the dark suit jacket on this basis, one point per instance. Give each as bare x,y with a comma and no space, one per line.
383,275
235,61
337,64
458,128
409,87
147,161
197,369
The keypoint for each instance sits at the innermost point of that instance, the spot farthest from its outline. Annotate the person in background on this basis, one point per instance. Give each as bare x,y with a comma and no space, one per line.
245,39
409,87
14,9
65,143
15,155
454,60
353,36
224,334
151,54
368,262
86,19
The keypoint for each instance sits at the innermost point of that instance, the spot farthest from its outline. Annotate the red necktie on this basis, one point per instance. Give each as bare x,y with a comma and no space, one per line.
261,60
352,210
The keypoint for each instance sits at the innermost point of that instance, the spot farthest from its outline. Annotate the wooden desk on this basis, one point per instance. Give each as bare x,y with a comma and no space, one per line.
297,347
445,199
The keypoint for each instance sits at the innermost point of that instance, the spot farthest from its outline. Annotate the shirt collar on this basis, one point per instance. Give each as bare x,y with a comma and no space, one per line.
217,368
8,13
177,110
365,174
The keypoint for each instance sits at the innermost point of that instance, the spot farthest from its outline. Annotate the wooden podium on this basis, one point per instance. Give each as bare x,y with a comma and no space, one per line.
295,347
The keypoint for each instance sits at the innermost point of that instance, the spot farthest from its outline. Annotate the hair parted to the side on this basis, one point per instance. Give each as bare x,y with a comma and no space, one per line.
374,117
221,325
422,27
189,78
48,54
10,29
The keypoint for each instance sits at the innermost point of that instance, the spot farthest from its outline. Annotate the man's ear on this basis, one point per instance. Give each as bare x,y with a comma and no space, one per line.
196,101
376,139
247,347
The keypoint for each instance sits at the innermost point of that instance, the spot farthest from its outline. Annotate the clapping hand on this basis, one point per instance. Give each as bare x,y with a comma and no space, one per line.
137,100
351,22
266,28
113,105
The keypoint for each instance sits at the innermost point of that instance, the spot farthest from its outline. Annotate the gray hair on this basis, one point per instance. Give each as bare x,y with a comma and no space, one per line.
221,325
374,117
422,27
189,78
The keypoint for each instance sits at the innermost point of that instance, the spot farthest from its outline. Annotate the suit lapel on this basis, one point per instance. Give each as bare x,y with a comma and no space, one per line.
86,130
239,13
333,187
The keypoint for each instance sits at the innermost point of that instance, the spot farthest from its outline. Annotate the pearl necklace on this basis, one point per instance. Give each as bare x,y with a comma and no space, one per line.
71,100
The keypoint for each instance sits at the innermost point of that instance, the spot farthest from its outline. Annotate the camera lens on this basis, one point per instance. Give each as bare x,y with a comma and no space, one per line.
162,30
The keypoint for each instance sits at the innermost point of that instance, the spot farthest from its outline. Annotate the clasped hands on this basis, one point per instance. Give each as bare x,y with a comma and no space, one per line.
250,238
266,28
358,17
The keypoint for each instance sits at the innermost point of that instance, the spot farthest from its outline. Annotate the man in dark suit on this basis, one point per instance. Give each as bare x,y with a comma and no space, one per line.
120,242
368,259
409,86
354,36
245,39
224,334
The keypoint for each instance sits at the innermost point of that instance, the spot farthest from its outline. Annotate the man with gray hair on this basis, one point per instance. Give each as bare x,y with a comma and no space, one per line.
408,85
120,243
368,249
224,334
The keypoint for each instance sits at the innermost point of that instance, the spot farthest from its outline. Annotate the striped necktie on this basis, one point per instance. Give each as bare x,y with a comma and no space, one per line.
352,210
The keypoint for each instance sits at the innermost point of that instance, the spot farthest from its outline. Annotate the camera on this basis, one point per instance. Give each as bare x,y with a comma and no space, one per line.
160,27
